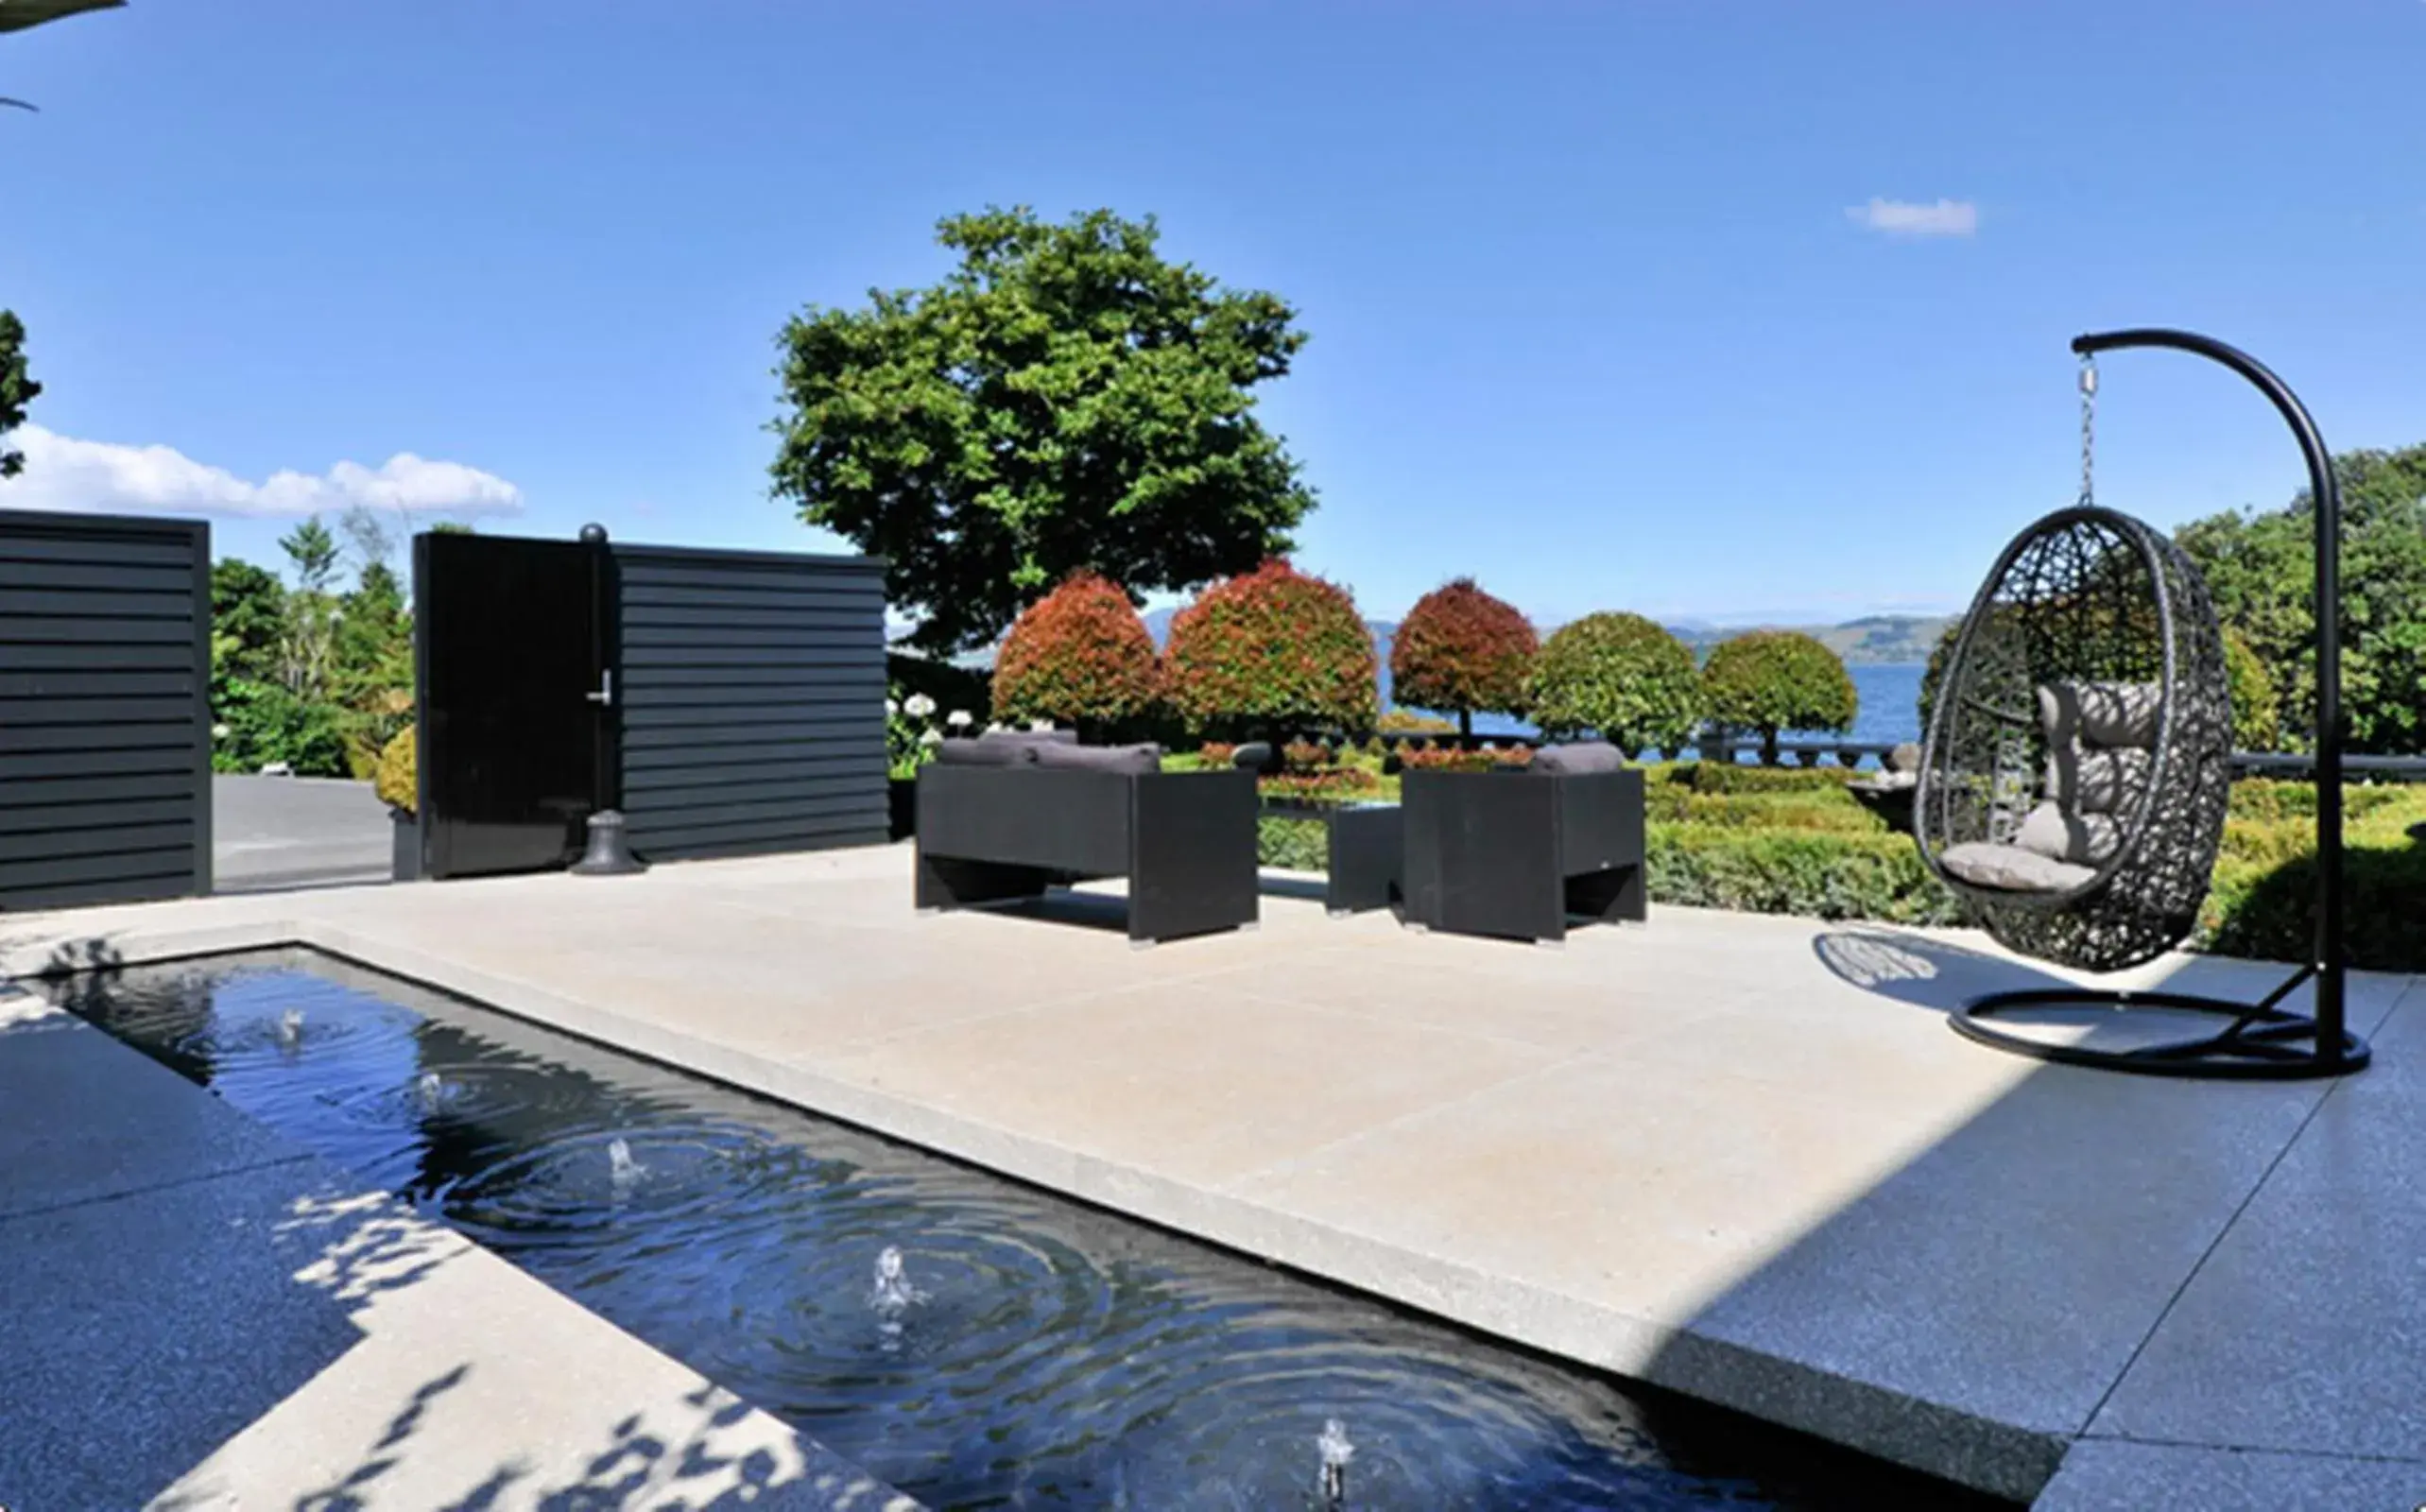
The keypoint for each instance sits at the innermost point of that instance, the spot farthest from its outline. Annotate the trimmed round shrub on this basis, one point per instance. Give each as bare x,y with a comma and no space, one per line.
396,783
1273,650
1620,674
2257,713
1080,656
1769,680
1463,652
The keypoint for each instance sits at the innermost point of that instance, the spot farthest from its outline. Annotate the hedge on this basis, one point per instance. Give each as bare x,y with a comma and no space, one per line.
1811,873
1795,842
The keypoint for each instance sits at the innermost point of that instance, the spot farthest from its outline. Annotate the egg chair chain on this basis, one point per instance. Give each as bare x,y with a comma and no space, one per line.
2088,429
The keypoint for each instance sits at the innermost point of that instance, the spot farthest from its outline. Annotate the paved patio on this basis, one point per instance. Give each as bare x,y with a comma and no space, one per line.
1740,1157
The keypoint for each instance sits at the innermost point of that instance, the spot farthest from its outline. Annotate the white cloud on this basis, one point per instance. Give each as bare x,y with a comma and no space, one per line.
1904,217
102,477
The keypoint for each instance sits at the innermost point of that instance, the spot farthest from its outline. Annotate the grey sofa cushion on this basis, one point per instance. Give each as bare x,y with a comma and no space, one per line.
1031,737
2012,869
1576,760
983,752
1129,759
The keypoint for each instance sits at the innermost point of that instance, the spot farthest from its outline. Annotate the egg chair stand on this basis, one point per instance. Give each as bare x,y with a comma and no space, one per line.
2137,774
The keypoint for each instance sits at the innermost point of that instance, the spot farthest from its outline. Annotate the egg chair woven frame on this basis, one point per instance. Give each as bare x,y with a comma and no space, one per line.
2099,858
2087,604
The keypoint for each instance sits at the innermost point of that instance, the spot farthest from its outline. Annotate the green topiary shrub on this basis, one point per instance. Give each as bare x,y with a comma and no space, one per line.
2257,713
1769,680
1619,675
1079,657
1272,652
396,783
1463,651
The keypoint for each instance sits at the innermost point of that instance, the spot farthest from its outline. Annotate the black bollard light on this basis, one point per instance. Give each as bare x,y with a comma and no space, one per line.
608,853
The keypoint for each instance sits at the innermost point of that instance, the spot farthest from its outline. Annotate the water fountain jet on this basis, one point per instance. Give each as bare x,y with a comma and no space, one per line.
1336,1451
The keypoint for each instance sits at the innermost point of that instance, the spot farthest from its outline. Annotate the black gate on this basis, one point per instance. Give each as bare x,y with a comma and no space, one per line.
105,709
510,667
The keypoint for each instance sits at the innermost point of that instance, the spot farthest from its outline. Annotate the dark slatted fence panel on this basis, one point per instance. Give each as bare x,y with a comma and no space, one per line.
105,719
753,701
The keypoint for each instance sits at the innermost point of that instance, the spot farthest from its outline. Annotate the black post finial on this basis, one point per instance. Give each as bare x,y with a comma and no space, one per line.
593,534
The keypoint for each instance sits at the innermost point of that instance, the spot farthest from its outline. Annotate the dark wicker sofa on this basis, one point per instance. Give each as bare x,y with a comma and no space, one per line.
1006,816
1516,853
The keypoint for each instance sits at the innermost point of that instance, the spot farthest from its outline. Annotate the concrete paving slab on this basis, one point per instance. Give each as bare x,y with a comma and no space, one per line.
1739,1156
2101,1476
2305,1329
1200,1085
83,1117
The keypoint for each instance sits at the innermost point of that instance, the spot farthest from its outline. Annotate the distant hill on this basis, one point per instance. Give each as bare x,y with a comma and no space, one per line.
1872,641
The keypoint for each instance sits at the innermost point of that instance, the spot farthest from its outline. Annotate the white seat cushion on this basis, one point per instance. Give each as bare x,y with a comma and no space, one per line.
2011,869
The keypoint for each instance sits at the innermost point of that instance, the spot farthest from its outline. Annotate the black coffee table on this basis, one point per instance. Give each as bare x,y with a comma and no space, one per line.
1366,852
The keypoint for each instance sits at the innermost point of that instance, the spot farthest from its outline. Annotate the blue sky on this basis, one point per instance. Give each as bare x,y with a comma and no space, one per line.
1718,310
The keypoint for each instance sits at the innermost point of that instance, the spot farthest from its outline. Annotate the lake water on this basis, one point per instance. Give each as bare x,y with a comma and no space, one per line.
1889,695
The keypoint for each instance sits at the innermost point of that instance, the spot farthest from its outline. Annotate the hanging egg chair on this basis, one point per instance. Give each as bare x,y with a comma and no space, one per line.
2078,762
2078,758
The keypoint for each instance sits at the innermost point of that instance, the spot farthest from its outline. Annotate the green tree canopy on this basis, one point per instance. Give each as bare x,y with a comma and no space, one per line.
1770,680
1622,676
17,389
2260,567
1064,399
2257,713
247,620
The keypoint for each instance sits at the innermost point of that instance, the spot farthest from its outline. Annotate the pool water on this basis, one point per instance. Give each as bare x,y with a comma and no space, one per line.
1020,1350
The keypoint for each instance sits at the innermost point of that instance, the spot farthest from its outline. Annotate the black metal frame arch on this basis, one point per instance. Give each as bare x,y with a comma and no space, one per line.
2264,1040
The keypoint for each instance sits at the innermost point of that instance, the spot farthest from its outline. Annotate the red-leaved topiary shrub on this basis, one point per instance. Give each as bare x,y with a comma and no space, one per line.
1079,657
1461,651
1272,651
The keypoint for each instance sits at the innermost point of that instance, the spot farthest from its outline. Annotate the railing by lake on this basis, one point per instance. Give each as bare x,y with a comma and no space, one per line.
1870,755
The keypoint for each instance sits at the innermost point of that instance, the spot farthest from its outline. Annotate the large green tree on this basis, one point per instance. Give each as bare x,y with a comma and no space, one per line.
17,389
1065,399
2260,567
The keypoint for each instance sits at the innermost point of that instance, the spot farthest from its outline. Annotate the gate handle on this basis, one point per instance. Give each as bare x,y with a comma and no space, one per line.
605,693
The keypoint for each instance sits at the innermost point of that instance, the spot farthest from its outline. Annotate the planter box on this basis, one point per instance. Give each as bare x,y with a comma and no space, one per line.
902,797
406,865
1516,854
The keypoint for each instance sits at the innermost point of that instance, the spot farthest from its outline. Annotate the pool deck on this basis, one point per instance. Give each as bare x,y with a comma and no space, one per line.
1740,1157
